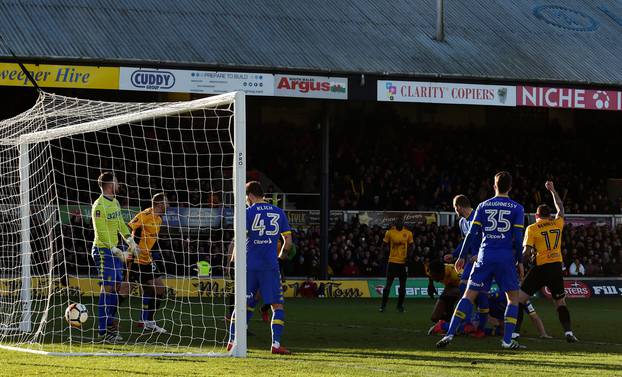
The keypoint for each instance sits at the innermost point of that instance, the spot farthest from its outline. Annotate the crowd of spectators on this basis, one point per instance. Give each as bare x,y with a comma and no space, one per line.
421,167
358,250
355,249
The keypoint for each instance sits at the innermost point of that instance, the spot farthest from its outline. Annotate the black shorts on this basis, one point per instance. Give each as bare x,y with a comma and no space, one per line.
396,270
549,275
143,273
450,297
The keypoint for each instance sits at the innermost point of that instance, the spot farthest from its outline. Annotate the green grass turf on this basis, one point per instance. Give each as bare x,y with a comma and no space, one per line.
349,337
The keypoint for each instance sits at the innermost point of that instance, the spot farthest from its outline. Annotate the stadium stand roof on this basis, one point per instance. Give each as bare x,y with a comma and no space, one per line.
569,41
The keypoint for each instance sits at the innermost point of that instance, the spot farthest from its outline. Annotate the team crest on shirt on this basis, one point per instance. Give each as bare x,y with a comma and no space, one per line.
97,213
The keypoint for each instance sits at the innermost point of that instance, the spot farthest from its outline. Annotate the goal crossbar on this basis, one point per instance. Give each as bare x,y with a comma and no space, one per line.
100,124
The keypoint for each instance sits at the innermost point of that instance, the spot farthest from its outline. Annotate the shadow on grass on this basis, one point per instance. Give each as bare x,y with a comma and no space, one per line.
88,370
479,358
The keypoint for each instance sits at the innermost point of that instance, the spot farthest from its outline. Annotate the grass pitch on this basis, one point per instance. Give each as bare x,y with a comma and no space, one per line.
343,337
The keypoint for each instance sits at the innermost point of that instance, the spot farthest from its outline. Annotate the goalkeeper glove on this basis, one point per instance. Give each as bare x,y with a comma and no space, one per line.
131,245
118,253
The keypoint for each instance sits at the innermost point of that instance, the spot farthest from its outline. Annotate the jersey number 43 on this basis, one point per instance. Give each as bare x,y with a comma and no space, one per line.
260,227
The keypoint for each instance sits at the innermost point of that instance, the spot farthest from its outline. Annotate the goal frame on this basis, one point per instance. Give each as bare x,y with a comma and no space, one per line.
238,99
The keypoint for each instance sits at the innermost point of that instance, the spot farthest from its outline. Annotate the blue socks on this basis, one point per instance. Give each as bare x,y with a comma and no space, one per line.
250,310
148,309
483,309
463,311
106,310
445,328
278,322
101,313
511,313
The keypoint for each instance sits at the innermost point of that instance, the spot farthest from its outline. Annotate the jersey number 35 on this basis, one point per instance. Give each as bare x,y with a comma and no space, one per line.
497,220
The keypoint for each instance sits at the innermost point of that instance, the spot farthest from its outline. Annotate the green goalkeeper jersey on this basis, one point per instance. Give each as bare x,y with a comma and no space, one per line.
108,222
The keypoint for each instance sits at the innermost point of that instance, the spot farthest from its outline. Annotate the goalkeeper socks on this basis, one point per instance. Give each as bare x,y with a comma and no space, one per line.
148,308
101,313
564,318
106,310
158,301
278,322
511,313
463,311
483,309
112,302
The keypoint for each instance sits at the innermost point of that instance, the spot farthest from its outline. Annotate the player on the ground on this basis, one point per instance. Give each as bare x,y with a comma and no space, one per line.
265,224
399,240
142,268
498,306
500,222
462,206
544,239
445,274
108,224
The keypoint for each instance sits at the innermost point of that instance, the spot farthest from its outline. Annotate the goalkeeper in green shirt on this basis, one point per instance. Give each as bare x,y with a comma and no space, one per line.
108,223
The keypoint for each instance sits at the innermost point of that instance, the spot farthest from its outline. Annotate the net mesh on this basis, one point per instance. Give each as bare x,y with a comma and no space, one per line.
50,158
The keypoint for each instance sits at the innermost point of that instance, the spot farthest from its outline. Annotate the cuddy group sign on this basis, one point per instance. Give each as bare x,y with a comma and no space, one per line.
186,81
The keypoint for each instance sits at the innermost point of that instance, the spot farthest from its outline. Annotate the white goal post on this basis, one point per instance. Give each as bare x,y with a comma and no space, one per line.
50,157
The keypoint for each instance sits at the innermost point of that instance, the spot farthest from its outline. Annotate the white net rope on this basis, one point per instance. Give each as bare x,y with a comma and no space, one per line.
183,149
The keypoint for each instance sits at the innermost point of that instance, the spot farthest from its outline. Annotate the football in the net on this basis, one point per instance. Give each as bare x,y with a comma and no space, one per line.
76,314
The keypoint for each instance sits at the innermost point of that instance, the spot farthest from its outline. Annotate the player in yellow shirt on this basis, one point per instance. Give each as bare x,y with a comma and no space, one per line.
399,240
142,269
544,239
447,275
108,224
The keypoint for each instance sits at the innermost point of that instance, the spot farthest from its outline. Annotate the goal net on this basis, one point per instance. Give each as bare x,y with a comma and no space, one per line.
50,159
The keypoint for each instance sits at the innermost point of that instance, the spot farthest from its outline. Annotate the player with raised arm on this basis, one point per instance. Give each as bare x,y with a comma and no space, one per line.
265,224
142,268
500,221
462,207
399,241
108,224
543,239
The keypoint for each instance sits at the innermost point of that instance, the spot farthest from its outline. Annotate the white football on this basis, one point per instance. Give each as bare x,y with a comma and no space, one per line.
76,314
